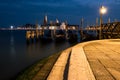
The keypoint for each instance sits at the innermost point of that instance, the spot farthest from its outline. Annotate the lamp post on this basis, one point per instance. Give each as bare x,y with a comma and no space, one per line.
103,10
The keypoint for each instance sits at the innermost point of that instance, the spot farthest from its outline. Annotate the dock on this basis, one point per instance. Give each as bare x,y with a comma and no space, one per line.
92,60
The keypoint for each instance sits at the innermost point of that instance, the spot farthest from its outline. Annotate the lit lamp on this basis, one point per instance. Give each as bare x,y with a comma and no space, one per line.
103,10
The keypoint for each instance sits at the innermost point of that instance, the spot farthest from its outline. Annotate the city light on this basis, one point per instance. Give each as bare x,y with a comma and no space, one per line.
103,10
11,27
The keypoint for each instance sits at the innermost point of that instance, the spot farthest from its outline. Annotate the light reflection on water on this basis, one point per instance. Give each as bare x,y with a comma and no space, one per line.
16,55
12,46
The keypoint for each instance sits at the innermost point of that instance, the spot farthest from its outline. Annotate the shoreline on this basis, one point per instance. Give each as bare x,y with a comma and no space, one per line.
31,71
44,65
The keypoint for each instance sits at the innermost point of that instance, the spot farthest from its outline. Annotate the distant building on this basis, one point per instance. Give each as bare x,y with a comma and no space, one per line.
45,20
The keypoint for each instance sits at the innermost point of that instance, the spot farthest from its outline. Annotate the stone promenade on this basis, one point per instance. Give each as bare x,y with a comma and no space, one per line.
92,60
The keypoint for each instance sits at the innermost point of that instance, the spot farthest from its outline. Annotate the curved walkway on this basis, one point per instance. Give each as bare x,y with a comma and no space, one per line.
104,59
93,60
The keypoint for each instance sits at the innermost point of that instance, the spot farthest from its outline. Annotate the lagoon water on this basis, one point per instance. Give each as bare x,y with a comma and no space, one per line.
16,55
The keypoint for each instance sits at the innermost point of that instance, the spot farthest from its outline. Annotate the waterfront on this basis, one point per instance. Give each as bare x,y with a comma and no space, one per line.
16,55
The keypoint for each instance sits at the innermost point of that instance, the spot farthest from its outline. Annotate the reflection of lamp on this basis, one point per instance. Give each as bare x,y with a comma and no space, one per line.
103,10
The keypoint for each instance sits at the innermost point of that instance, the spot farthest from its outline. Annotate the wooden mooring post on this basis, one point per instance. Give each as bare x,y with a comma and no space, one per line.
28,36
33,36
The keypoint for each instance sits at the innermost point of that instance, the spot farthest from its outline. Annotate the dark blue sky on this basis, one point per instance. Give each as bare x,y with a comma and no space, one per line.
20,12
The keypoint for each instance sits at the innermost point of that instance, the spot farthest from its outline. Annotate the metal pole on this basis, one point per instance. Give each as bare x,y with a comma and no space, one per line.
102,11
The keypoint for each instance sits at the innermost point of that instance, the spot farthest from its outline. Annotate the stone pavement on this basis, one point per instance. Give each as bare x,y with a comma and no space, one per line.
92,60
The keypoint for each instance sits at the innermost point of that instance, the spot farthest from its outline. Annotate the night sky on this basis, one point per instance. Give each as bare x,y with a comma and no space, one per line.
20,12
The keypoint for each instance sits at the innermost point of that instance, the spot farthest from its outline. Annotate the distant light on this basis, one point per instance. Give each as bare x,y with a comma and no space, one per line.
57,21
73,28
39,26
103,10
53,27
11,27
62,26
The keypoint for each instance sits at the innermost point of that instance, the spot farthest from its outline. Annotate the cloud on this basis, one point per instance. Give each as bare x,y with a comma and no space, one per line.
45,4
50,3
37,3
96,2
62,9
58,3
10,4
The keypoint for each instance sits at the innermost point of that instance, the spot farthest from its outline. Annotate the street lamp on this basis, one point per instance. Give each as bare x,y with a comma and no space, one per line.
103,10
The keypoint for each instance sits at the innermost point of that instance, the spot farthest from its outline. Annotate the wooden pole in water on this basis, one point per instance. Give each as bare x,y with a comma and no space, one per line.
37,32
53,33
28,36
96,26
32,35
66,31
81,30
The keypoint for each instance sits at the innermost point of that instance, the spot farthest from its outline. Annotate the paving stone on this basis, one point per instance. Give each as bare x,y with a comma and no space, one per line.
105,63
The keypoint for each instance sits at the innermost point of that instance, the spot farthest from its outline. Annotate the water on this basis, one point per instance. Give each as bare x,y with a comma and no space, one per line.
16,55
